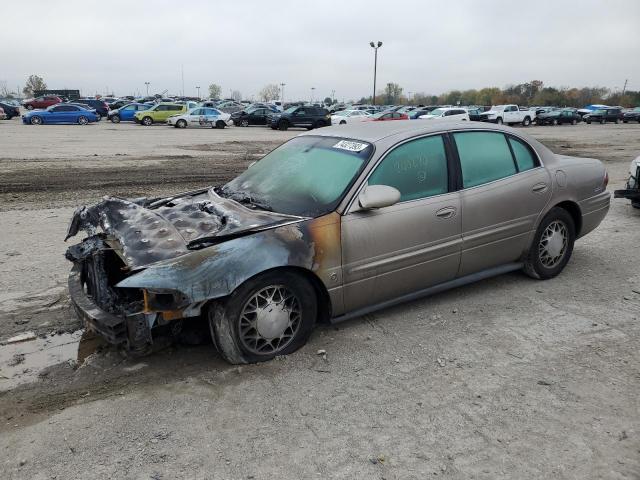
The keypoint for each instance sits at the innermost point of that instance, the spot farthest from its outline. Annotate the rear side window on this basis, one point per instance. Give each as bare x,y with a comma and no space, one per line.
484,157
175,107
418,169
524,157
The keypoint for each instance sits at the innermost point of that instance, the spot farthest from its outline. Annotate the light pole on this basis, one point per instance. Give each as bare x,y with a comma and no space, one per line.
375,46
312,90
147,84
333,97
282,94
198,88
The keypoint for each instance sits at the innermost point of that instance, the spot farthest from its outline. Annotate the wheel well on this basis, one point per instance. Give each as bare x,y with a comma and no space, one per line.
324,301
574,211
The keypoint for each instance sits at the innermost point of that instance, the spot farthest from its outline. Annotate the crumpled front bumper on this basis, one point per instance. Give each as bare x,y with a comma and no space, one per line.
118,330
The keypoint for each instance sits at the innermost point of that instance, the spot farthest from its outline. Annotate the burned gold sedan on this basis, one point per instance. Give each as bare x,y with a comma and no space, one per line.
330,225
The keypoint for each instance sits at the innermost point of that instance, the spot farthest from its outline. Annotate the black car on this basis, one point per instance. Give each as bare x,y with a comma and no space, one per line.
604,115
558,117
304,116
475,113
251,116
10,110
101,107
118,104
631,116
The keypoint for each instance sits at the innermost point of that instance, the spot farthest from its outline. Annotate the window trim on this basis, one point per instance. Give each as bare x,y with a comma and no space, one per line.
506,135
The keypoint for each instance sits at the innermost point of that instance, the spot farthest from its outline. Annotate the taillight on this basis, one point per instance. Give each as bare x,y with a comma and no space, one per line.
606,180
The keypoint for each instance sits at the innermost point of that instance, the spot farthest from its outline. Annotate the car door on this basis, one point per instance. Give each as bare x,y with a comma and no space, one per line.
195,117
414,244
68,113
53,115
126,113
300,118
258,117
504,190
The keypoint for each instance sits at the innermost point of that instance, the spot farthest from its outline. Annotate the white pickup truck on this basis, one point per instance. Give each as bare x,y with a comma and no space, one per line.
508,114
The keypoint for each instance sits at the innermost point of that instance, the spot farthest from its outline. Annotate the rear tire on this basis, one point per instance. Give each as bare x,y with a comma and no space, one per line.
181,124
283,125
552,245
555,122
82,120
147,121
499,121
29,107
343,122
526,122
574,121
244,123
270,315
36,120
220,124
617,121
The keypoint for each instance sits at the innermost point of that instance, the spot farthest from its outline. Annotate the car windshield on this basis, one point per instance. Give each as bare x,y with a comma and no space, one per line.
599,112
306,176
437,112
290,110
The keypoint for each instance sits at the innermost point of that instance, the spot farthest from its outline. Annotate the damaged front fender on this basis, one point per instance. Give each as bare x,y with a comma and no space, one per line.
218,270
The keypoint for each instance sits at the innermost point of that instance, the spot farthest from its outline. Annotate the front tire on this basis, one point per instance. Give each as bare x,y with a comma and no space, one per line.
115,118
270,315
244,123
555,122
499,121
526,122
181,123
574,121
220,124
283,125
552,245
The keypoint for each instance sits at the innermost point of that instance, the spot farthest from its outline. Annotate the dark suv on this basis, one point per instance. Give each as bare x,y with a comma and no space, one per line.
10,109
101,107
304,116
604,115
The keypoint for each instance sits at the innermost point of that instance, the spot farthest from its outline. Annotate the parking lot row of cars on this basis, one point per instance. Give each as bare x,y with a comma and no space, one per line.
183,113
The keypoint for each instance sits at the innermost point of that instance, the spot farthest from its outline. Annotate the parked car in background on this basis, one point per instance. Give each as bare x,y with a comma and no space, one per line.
11,110
559,117
158,113
251,116
632,188
509,114
330,226
62,113
387,116
41,102
446,113
200,117
419,111
303,116
127,112
349,116
604,115
100,106
230,106
630,116
119,103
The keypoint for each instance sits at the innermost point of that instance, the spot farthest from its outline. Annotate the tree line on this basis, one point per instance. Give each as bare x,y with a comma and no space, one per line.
528,94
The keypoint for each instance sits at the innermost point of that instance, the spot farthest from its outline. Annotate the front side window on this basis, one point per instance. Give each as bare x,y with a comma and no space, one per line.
484,157
418,169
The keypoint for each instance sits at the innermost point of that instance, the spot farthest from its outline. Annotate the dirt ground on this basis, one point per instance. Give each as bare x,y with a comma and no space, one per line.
508,378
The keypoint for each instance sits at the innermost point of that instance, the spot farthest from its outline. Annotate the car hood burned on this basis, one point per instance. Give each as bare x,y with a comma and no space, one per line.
145,231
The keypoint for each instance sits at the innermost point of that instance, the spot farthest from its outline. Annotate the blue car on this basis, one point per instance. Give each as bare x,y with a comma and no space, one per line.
127,112
61,113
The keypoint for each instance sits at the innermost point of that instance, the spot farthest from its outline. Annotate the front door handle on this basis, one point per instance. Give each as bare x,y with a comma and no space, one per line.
539,187
446,212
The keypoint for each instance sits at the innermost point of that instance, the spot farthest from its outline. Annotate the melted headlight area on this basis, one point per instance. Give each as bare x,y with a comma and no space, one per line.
170,305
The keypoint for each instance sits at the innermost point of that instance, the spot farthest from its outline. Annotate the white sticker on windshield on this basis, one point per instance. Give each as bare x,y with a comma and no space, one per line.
351,146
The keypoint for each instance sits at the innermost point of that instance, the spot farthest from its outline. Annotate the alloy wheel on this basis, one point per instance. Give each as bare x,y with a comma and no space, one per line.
270,320
553,244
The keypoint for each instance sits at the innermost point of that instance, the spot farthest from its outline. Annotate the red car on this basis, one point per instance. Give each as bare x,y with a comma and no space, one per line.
41,102
384,116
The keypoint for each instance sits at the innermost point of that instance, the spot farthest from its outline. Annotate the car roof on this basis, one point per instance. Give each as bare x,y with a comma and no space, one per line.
375,131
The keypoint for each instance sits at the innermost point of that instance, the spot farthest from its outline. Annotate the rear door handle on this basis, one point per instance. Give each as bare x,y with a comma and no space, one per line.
539,187
446,212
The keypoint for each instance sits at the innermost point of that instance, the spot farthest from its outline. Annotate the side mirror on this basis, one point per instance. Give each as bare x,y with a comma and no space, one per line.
378,196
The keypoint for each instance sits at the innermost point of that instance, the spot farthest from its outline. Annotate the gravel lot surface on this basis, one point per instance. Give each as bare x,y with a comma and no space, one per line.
507,378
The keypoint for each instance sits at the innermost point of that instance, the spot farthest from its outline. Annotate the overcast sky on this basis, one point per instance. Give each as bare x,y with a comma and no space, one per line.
430,46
